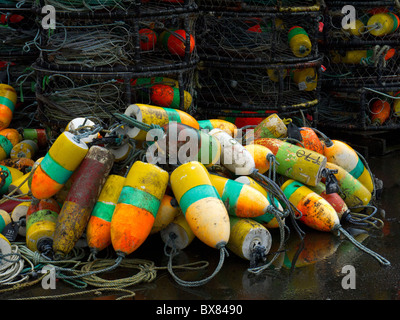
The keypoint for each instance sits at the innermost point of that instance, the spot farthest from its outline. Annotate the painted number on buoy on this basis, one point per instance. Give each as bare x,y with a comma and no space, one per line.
349,280
308,157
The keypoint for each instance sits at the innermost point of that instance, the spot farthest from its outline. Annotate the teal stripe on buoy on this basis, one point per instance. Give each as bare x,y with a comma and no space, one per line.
173,115
54,170
103,211
205,124
231,194
2,224
140,199
291,188
6,145
7,102
197,193
358,170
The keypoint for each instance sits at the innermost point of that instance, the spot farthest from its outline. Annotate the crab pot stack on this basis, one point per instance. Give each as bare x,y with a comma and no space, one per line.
361,81
116,54
17,53
258,57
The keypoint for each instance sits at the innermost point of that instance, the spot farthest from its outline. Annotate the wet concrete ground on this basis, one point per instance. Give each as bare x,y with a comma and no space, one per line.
318,274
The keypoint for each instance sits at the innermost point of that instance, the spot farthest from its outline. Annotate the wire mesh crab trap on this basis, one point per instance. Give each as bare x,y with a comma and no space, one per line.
17,32
367,108
64,96
231,90
258,38
16,3
106,45
362,22
114,8
261,5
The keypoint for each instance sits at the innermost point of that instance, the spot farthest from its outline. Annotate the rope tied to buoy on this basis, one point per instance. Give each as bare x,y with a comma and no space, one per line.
174,252
383,261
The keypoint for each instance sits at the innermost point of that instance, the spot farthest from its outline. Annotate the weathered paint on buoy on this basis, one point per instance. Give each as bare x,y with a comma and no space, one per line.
21,184
24,165
5,147
148,39
271,127
19,213
354,192
12,135
137,206
317,213
10,175
310,140
260,153
224,125
77,207
168,211
246,235
341,154
267,219
296,162
240,199
41,222
98,230
234,156
63,158
8,100
299,42
334,199
178,233
5,219
24,149
5,249
201,204
149,114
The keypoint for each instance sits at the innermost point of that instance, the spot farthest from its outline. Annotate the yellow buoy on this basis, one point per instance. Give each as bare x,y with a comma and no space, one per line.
24,149
383,23
5,250
299,42
305,79
249,238
5,219
341,154
201,204
271,127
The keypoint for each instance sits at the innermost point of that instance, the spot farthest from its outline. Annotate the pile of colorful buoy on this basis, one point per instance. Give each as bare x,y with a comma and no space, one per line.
189,179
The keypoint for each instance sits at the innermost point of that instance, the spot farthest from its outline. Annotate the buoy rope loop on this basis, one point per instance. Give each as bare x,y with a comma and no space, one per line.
375,255
223,253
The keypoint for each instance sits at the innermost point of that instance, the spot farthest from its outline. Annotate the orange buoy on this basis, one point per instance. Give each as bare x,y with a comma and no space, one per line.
63,158
98,230
260,154
148,39
380,112
8,101
310,140
137,206
175,42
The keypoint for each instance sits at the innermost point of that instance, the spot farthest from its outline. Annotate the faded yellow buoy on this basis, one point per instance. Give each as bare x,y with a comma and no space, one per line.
178,233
